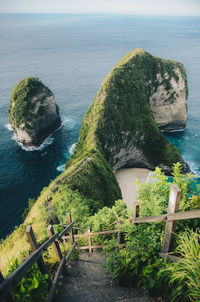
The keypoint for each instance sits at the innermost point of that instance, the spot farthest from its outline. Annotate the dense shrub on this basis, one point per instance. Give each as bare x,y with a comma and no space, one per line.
33,287
184,276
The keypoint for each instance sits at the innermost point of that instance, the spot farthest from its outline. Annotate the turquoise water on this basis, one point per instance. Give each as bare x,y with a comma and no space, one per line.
72,54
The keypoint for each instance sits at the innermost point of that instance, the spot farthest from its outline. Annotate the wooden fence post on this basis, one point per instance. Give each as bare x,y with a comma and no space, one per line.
71,234
89,240
55,244
173,207
136,209
9,296
119,237
34,245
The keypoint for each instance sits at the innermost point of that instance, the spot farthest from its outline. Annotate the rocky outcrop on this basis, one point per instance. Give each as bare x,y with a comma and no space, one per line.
119,130
169,106
33,112
125,129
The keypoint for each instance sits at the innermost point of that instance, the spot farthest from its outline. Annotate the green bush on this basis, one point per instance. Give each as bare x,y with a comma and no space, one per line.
139,263
68,201
33,287
184,276
105,219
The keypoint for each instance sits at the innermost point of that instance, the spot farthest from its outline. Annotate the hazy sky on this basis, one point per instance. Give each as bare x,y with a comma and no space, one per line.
156,7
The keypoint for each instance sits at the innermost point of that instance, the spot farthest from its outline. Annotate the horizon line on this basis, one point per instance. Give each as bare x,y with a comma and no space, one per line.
94,13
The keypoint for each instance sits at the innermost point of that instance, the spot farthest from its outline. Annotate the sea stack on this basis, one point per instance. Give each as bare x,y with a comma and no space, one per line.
120,129
33,113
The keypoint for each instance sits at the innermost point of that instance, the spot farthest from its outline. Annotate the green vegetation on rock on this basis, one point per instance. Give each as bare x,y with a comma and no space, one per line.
20,106
33,112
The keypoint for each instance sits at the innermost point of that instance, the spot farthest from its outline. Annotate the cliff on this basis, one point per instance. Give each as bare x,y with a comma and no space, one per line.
33,113
119,130
169,95
120,122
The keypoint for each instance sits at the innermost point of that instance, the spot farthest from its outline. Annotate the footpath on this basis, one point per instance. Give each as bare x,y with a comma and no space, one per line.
85,280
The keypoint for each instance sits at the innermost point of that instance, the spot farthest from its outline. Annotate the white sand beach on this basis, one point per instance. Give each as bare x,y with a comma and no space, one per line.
126,179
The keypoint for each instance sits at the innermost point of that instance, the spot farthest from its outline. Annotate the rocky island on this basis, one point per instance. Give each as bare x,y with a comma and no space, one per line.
33,113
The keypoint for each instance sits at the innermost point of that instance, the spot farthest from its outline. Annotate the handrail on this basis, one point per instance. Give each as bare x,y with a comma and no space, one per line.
168,217
94,234
55,281
18,274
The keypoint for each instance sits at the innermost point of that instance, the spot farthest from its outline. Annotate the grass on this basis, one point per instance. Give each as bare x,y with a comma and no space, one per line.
184,276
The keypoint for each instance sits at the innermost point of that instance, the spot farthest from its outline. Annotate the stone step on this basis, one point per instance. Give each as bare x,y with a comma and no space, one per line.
100,294
86,280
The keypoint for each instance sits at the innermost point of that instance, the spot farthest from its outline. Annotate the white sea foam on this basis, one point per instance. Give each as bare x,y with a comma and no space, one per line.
48,141
170,131
9,127
70,123
72,149
61,168
193,168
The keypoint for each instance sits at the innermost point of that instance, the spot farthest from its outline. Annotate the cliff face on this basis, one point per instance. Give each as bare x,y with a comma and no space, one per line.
124,127
169,106
33,112
119,130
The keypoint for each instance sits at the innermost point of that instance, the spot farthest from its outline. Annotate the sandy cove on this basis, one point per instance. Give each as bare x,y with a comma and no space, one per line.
127,182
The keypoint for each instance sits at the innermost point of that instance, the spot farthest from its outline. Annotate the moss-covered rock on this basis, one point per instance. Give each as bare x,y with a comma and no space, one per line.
120,124
33,113
119,129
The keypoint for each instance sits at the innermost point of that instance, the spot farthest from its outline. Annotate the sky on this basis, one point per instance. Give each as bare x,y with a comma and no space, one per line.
138,7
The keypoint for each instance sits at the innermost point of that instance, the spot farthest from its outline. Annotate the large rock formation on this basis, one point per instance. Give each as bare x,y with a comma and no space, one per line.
168,96
33,113
119,129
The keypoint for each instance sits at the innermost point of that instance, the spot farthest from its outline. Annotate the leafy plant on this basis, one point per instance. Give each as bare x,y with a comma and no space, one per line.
184,276
137,264
33,287
105,219
139,261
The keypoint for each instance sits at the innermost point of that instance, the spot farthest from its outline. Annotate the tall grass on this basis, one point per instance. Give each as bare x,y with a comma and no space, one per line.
184,276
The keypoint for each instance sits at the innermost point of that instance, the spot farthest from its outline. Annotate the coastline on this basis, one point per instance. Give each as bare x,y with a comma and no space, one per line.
126,178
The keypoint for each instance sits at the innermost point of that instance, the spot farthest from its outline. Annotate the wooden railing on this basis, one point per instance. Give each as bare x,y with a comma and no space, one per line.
90,247
89,234
170,218
7,284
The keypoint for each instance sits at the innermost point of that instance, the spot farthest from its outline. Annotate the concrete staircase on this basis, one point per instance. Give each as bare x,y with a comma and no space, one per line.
85,280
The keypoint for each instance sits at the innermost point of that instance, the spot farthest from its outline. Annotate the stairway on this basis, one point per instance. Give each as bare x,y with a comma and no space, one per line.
86,280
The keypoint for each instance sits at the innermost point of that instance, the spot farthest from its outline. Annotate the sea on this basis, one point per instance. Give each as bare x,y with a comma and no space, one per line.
72,54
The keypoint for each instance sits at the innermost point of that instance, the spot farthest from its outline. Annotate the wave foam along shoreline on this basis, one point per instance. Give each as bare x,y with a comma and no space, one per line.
61,168
72,148
193,168
171,131
48,141
9,127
